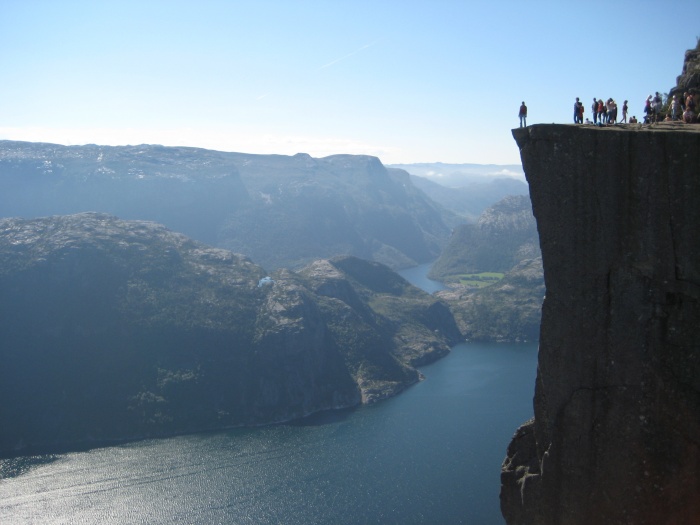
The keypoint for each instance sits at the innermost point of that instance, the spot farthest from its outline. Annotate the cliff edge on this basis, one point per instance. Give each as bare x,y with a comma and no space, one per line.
616,433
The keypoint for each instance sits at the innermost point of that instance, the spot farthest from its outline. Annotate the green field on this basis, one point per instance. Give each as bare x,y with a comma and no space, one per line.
479,280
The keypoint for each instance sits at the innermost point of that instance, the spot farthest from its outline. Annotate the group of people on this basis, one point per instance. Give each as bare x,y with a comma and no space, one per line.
683,109
604,113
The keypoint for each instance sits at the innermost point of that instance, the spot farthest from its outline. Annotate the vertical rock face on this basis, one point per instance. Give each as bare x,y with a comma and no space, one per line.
616,433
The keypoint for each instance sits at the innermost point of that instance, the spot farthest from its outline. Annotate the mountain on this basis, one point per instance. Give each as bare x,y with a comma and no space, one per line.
190,190
302,208
504,235
117,330
509,310
281,211
493,270
466,189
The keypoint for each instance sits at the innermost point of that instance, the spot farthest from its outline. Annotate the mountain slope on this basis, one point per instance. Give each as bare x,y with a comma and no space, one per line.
505,234
303,208
509,310
119,329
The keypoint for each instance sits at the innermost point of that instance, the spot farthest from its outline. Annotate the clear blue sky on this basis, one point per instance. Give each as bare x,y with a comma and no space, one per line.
403,80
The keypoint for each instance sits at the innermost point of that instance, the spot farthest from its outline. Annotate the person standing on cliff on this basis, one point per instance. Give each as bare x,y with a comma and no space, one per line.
656,106
613,106
594,110
624,112
608,111
578,116
523,115
648,110
601,111
675,108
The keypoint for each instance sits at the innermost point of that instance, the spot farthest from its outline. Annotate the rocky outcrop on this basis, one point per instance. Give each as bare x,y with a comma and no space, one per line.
116,330
689,79
615,438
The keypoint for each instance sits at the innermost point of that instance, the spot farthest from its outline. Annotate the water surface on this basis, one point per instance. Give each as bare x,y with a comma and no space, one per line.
429,455
418,277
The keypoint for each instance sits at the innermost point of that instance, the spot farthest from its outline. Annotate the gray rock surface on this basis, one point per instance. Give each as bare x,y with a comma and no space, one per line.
689,79
616,434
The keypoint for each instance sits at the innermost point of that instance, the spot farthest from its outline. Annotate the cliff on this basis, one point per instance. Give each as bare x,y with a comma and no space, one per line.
115,330
615,437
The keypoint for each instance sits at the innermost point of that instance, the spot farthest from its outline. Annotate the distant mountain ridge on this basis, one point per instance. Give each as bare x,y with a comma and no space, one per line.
281,211
466,189
460,175
118,329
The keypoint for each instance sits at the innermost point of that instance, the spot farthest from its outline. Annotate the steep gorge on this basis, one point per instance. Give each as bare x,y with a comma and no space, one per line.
616,432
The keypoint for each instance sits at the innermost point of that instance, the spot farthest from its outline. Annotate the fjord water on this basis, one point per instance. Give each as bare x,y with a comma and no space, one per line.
429,455
418,277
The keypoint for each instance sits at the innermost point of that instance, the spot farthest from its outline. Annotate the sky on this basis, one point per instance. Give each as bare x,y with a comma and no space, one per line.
406,81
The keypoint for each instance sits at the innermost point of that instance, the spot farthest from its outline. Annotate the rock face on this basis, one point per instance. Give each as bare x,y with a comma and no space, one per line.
615,438
689,79
116,330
